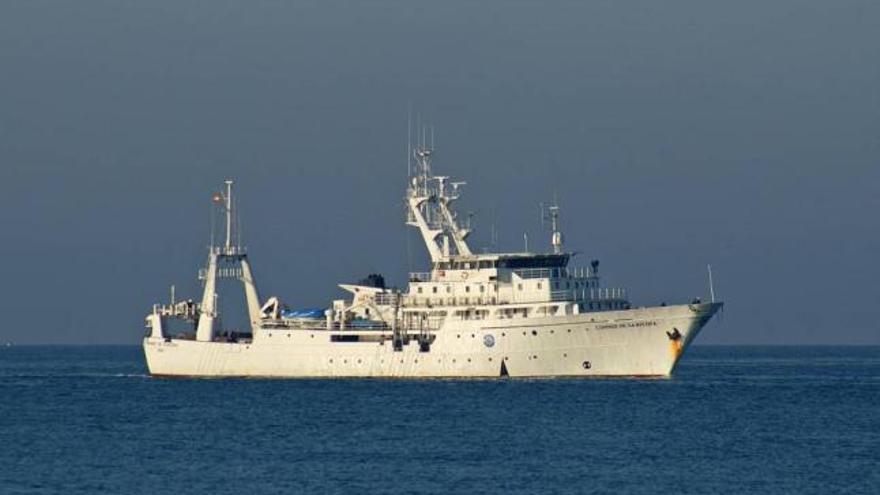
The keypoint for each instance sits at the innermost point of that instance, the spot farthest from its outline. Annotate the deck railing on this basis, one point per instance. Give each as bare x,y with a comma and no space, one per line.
579,272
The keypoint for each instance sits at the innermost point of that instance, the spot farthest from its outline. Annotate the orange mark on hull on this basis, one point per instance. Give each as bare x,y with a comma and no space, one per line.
676,347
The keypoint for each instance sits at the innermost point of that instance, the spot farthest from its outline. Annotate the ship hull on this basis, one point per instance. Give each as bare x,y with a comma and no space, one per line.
643,342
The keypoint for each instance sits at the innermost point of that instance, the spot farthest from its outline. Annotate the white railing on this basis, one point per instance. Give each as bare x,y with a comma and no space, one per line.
182,309
387,299
526,273
430,302
322,325
603,294
580,272
233,273
561,295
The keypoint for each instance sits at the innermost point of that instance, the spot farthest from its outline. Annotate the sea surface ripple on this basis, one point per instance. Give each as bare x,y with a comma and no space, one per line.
78,420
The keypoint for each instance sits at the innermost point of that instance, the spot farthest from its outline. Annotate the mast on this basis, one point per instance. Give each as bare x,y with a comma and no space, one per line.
429,201
556,239
228,216
233,254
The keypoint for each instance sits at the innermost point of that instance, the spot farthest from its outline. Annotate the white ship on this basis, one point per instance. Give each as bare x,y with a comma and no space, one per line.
472,315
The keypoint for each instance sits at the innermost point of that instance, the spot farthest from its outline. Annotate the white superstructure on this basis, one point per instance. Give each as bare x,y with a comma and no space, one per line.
471,315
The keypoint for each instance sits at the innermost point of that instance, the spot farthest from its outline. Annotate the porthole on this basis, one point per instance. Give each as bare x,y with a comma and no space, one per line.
359,361
331,360
345,361
469,359
587,365
534,332
472,335
503,334
288,336
569,330
490,359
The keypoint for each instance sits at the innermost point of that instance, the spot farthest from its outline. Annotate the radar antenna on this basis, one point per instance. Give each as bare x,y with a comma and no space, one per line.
429,207
556,237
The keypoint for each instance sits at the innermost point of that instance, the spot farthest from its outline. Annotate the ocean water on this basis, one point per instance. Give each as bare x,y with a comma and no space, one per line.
732,420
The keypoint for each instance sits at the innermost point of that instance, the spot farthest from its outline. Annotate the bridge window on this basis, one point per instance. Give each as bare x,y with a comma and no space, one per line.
535,261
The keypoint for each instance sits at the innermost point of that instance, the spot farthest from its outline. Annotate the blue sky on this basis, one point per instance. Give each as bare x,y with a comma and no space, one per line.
674,134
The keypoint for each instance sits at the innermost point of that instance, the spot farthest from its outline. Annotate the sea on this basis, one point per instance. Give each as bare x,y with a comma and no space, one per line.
798,420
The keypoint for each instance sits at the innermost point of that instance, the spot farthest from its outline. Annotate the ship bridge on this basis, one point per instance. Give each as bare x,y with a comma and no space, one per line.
458,277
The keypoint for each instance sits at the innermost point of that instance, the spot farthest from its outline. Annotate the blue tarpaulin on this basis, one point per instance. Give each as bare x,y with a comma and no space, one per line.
314,313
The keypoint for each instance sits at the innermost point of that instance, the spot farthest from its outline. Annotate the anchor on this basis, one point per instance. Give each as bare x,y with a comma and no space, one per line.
674,335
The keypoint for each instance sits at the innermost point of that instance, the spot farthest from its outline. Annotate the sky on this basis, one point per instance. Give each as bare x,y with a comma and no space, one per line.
675,134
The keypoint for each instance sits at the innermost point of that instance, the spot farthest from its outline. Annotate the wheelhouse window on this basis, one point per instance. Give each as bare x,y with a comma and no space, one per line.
538,261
